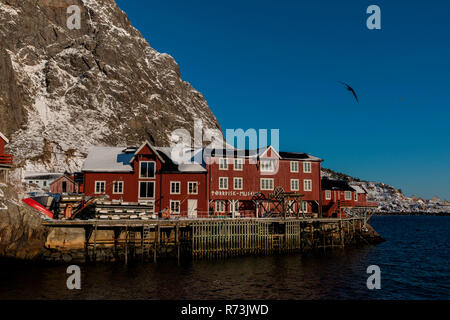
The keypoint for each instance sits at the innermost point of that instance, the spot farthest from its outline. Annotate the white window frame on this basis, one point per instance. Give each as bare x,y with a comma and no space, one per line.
291,203
179,187
154,170
305,182
218,208
241,161
347,198
178,211
327,194
265,168
304,207
104,187
223,179
154,189
223,161
268,188
196,189
294,164
234,183
295,188
356,196
307,167
114,187
236,206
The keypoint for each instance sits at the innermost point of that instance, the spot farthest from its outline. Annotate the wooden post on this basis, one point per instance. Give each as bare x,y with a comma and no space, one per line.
126,245
95,241
87,235
156,243
142,242
177,241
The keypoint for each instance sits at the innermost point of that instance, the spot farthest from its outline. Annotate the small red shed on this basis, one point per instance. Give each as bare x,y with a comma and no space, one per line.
64,184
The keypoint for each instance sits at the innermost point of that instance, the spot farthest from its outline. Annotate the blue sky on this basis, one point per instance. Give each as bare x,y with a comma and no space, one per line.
276,65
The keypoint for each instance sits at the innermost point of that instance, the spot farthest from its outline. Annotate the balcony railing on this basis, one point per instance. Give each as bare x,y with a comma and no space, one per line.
366,204
347,203
6,160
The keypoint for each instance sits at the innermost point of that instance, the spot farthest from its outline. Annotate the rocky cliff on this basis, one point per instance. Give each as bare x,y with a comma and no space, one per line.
63,91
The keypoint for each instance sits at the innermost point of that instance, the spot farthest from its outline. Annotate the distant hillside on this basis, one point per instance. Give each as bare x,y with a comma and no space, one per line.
390,199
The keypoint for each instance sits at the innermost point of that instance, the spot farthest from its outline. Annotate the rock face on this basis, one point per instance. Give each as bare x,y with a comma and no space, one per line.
21,233
63,91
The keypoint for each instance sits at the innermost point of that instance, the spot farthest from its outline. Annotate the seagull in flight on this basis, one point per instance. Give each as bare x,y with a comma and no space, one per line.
351,90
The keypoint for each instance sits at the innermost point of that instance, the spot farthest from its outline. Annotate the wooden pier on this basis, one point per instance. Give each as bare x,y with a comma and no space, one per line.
215,238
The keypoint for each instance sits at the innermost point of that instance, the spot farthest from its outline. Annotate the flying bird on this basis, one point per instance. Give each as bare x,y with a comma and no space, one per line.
351,90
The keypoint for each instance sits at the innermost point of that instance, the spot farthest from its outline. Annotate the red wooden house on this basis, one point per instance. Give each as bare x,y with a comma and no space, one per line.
64,184
339,195
235,176
361,197
147,175
6,160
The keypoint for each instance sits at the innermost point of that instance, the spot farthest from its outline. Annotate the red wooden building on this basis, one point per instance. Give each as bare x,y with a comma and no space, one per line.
361,197
6,160
147,175
235,176
339,195
222,182
64,184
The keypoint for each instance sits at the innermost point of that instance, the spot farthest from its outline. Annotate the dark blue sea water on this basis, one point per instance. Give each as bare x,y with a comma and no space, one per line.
414,264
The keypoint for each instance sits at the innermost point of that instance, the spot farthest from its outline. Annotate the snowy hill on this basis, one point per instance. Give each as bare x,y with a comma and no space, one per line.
390,199
63,91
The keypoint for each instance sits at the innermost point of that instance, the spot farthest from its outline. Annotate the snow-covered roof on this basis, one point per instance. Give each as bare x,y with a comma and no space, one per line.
42,175
241,153
183,167
4,138
358,188
108,159
112,159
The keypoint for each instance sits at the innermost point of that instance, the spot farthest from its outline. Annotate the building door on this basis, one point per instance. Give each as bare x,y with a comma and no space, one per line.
192,208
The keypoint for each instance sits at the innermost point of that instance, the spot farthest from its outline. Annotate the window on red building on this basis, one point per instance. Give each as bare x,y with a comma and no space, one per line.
266,184
307,185
193,187
223,183
238,164
238,183
223,164
175,187
100,187
146,190
294,166
307,167
295,185
267,165
327,195
118,187
221,206
147,169
174,207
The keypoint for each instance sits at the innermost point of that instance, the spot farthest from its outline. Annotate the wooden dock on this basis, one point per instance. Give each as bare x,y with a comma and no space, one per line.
215,238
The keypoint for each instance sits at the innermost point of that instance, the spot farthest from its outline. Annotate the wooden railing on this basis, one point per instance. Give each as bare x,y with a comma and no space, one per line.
366,204
347,203
6,159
